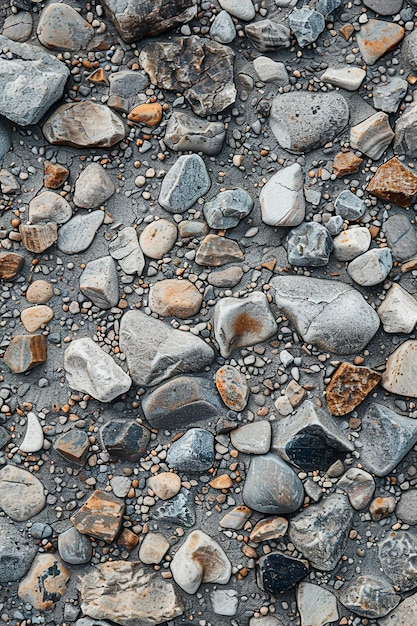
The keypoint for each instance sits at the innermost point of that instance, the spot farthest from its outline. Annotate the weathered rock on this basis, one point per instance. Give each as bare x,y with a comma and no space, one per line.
200,559
349,206
33,440
215,251
35,316
252,438
54,175
45,583
408,52
125,249
5,145
310,244
100,516
269,528
18,26
321,532
376,38
400,372
157,238
77,234
405,131
282,198
49,207
359,487
16,552
84,125
175,298
270,71
317,606
382,507
388,96
62,28
74,548
222,28
407,507
369,596
73,445
394,182
146,113
186,181
401,615
227,208
267,35
127,89
397,555
398,311
21,493
207,84
30,82
236,518
153,548
25,352
277,572
38,237
351,243
10,264
193,452
8,182
186,131
401,237
349,386
329,314
93,187
99,282
271,486
39,292
346,163
291,119
128,594
165,485
328,7
93,371
306,24
125,439
349,78
155,351
242,322
178,511
372,136
242,9
232,387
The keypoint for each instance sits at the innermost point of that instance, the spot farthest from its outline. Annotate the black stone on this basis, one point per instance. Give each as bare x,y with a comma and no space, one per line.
177,511
312,452
194,452
277,572
125,439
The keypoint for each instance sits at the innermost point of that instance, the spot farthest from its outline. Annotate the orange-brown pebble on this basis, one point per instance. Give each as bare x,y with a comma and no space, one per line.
149,114
221,482
346,163
347,31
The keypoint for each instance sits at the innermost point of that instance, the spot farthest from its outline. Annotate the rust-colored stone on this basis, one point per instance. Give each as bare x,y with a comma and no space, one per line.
98,76
128,539
347,31
38,237
346,163
394,182
149,114
10,264
348,387
221,482
54,175
24,352
232,387
101,516
73,445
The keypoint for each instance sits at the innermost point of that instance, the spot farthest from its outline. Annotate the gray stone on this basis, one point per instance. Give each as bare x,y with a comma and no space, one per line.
271,486
409,50
125,249
30,82
386,437
335,225
401,237
61,27
242,9
371,268
407,507
359,487
229,277
8,182
306,24
397,555
270,71
5,145
349,206
321,531
310,244
21,493
99,282
369,596
127,89
74,548
405,131
302,124
18,26
125,439
91,370
16,552
252,438
400,616
384,7
372,136
401,370
398,311
328,7
187,132
351,243
266,620
78,234
387,96
227,208
176,511
93,187
193,452
215,251
49,207
317,606
282,198
222,28
185,182
155,351
267,35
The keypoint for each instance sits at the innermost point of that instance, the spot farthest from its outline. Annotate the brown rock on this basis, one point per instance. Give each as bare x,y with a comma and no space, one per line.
153,548
35,316
73,445
221,482
98,76
149,114
101,516
378,37
215,251
346,163
39,292
45,583
24,352
394,182
38,237
270,528
232,387
175,298
10,264
382,507
165,485
54,175
128,539
348,387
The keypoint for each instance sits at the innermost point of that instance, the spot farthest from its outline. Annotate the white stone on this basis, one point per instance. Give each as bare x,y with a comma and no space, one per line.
282,198
371,268
225,601
252,438
347,77
242,9
317,606
351,243
372,136
99,282
398,311
125,249
157,238
401,372
93,187
33,439
270,71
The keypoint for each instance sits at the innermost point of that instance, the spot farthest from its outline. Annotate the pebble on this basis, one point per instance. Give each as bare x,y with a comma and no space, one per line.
33,440
349,206
38,237
233,388
222,29
99,282
77,235
188,132
125,439
371,268
54,175
165,485
270,71
45,583
175,298
225,601
306,24
378,37
49,207
215,251
149,114
346,163
153,548
350,78
398,311
229,277
236,518
227,208
73,446
359,487
351,243
185,182
372,136
34,317
177,511
317,605
157,238
269,528
406,508
286,186
74,548
310,244
18,26
382,507
31,498
100,516
93,187
10,264
349,386
388,96
193,452
252,438
401,237
400,369
242,9
62,28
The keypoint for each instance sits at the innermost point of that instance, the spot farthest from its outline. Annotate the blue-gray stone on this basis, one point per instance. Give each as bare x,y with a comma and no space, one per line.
267,35
184,184
74,548
16,552
228,208
5,140
328,7
306,25
401,237
277,572
178,510
194,452
222,29
349,206
397,555
40,530
372,267
310,244
387,96
335,225
369,596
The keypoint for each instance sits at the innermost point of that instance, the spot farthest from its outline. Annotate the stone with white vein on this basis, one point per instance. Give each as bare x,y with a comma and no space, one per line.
125,249
282,198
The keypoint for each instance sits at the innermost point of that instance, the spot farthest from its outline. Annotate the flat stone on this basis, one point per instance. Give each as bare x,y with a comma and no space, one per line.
155,351
8,182
277,572
91,370
33,440
232,387
398,311
84,125
45,583
351,243
49,207
252,438
100,516
397,556
136,20
193,452
270,71
184,184
74,548
394,182
215,251
201,69
74,446
225,601
271,486
153,548
25,352
400,616
229,277
359,487
38,237
384,7
407,507
39,292
371,268
62,28
16,552
369,596
346,163
175,298
227,208
242,322
78,234
200,559
317,606
303,124
34,317
21,493
93,187
10,264
282,198
54,175
401,237
376,38
321,531
349,386
306,24
127,593
388,96
165,485
349,206
382,507
386,437
222,28
125,439
268,36
125,249
310,244
187,132
328,314
269,528
400,370
99,282
242,9
236,518
30,82
158,238
349,78
18,26
177,511
372,136
179,401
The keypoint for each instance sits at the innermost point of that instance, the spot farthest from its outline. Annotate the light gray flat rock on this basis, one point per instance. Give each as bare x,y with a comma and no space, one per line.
125,249
99,282
78,234
184,184
93,187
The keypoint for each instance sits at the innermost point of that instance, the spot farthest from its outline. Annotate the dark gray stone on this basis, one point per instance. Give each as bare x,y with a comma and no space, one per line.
125,439
310,244
227,208
74,548
401,237
267,35
349,206
277,572
335,225
193,452
178,510
397,555
16,552
306,25
369,596
5,139
328,7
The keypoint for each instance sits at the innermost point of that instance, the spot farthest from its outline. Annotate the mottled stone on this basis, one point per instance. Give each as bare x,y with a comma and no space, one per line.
405,131
401,370
397,554
74,548
38,237
185,182
372,136
409,47
317,606
346,163
61,27
165,485
310,244
227,208
10,264
193,452
73,445
14,482
268,36
349,206
388,96
93,187
158,238
382,507
127,89
215,251
277,572
359,487
236,518
45,583
398,311
33,440
306,24
175,298
401,615
36,316
232,387
153,548
186,131
369,596
99,282
125,439
407,507
349,386
351,243
77,235
376,38
394,182
100,516
25,352
269,528
252,438
178,511
125,249
16,552
49,207
282,198
54,174
8,182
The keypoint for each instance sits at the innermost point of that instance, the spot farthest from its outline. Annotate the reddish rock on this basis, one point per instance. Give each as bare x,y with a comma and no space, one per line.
54,175
45,583
378,37
348,387
149,114
101,516
346,163
24,352
10,264
394,182
232,387
175,298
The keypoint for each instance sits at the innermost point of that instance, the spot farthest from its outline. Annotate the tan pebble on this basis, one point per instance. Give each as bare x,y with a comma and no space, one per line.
221,482
165,485
35,316
149,114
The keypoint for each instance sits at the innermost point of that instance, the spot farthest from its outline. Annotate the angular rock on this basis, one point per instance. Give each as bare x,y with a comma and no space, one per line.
229,277
398,311
388,96
187,132
100,516
329,314
310,440
382,507
155,351
269,528
349,206
84,125
49,207
242,9
310,244
408,51
178,511
270,71
38,237
175,298
126,89
39,292
317,606
200,559
232,387
128,594
5,145
394,182
201,69
277,572
401,237
228,208
215,251
93,187
349,78
400,616
91,370
125,439
225,601
10,264
351,243
77,234
407,507
236,518
401,370
125,249
349,386
153,548
184,184
372,136
359,487
45,583
371,268
346,163
328,7
21,493
282,198
252,438
74,548
147,113
271,486
302,124
158,238
397,556
99,282
386,437
35,316
73,445
62,28
193,452
16,552
306,24
30,82
321,532
33,440
369,596
268,36
376,38
242,322
25,352
222,28
165,485
8,182
136,20
54,175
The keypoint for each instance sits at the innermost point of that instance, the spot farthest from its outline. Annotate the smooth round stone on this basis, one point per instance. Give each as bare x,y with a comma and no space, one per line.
407,507
175,298
193,452
229,277
33,439
351,243
271,486
222,29
148,113
21,493
310,244
39,292
242,9
371,268
165,485
35,316
157,238
74,548
49,207
153,548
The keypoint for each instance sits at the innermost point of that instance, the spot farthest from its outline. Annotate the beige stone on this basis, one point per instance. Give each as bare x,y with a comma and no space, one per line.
269,528
153,548
35,316
157,238
401,372
165,485
39,292
175,298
